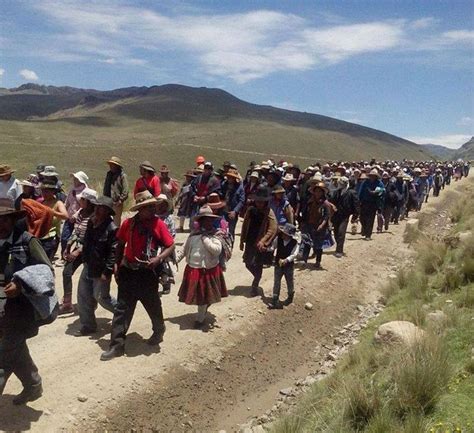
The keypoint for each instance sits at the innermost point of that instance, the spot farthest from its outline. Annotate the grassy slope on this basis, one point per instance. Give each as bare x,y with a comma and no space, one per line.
427,389
83,143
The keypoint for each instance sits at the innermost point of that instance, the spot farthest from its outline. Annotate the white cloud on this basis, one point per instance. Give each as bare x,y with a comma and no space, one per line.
2,72
29,75
466,121
239,46
453,141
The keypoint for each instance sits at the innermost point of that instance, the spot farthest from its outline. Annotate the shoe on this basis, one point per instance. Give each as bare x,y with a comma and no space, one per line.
66,308
289,300
339,255
317,266
156,338
30,393
254,291
84,331
113,352
275,305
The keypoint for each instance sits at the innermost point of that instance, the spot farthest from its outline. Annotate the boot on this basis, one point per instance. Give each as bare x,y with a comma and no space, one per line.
66,307
29,393
113,352
289,300
275,304
156,338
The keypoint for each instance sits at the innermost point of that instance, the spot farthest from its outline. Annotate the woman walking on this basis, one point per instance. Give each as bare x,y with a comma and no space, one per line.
203,281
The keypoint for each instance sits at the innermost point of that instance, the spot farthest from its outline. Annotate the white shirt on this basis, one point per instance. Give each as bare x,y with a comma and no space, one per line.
9,192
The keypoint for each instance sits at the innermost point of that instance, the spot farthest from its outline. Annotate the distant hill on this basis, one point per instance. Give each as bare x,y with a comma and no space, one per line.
466,151
439,152
173,123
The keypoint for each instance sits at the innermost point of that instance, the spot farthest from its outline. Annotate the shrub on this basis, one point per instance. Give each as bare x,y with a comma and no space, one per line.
420,376
431,254
415,423
362,402
466,297
383,422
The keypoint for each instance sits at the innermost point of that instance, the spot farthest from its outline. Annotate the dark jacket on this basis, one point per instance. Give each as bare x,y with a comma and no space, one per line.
116,186
24,250
234,196
99,249
347,204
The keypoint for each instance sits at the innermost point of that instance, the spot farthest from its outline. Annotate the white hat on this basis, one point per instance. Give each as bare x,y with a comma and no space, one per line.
87,194
81,177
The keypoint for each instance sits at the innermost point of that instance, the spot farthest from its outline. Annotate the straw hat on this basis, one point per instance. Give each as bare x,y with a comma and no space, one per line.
205,211
163,198
233,173
189,173
28,181
143,199
5,170
278,189
289,178
320,185
146,165
214,201
262,194
374,172
115,160
47,184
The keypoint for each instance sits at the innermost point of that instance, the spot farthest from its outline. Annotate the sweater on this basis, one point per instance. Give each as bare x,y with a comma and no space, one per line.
202,251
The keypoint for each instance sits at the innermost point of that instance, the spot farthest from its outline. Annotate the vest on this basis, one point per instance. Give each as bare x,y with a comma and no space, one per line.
283,251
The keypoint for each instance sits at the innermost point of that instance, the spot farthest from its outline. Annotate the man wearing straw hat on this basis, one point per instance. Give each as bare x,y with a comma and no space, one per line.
10,188
144,243
234,196
116,187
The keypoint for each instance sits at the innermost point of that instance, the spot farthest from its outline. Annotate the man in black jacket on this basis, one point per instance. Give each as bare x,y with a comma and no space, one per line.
347,203
99,254
18,249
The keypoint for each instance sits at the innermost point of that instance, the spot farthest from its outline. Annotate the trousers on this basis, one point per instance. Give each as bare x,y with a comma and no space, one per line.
68,272
15,359
133,286
286,271
90,292
367,218
340,229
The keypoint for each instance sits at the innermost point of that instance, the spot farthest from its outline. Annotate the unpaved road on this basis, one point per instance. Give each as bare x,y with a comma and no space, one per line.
202,381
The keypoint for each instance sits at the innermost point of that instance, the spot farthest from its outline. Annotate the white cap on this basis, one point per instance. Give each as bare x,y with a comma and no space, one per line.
87,194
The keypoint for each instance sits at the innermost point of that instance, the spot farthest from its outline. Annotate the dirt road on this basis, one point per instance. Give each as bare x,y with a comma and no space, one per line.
203,381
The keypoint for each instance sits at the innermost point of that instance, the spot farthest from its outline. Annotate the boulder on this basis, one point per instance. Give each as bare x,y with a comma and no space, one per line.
398,331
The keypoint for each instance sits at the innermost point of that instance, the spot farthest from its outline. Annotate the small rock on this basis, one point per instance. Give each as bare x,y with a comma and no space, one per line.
300,331
360,308
286,391
308,306
309,381
331,356
82,398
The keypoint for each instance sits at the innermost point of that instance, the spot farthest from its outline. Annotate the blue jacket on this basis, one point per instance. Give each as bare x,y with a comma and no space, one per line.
234,197
369,185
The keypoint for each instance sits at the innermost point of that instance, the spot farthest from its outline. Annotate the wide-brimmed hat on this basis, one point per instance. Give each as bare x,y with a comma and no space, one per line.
208,165
5,170
424,173
374,172
163,198
205,211
343,181
87,194
49,171
80,176
363,176
278,189
106,202
233,173
262,194
385,175
48,184
199,168
214,201
115,160
146,165
189,173
290,230
164,169
417,170
255,174
40,167
28,181
143,199
9,211
407,177
319,185
289,178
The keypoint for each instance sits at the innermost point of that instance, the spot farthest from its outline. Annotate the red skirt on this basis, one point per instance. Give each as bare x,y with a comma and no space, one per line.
202,286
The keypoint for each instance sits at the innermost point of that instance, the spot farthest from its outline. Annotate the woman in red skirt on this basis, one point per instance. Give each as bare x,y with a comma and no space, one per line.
203,281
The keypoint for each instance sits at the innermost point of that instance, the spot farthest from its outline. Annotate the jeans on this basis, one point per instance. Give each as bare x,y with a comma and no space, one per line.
90,292
387,215
68,272
133,286
312,239
288,272
15,359
66,233
50,246
340,229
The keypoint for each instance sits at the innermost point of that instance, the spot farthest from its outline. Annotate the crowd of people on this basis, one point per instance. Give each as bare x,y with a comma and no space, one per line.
288,215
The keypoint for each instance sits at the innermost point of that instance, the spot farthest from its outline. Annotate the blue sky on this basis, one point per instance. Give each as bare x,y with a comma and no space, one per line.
405,67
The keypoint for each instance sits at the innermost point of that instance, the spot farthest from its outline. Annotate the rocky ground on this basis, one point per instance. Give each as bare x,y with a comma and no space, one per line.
244,369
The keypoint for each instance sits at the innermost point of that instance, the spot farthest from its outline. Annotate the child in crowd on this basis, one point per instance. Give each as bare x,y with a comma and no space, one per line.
165,213
286,245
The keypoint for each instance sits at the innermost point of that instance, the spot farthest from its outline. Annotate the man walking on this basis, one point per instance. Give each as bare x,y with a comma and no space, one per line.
144,243
116,187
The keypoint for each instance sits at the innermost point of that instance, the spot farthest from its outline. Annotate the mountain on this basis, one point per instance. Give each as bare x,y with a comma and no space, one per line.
439,152
172,124
466,151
